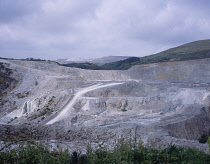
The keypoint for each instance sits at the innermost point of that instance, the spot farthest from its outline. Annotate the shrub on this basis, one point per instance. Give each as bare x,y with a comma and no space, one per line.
33,154
123,110
122,152
208,141
203,138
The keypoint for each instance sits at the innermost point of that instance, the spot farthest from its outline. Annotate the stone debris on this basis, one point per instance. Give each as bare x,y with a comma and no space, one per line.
161,104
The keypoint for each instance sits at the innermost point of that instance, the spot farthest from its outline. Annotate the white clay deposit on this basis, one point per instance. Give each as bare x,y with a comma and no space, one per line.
161,104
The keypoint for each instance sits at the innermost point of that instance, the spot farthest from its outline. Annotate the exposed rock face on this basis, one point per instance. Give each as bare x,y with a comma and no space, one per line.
8,79
193,71
165,103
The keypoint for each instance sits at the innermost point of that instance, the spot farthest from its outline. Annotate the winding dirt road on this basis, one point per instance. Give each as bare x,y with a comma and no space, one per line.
78,94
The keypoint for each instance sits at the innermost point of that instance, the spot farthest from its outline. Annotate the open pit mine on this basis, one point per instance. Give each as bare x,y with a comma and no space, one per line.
161,104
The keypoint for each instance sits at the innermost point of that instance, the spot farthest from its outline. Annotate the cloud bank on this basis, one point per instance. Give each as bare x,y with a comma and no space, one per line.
53,29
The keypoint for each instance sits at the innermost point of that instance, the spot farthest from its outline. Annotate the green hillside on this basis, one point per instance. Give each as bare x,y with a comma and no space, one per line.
194,50
118,65
83,66
190,51
122,64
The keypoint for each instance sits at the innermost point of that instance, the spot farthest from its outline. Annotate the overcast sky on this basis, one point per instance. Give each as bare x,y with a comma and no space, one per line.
56,29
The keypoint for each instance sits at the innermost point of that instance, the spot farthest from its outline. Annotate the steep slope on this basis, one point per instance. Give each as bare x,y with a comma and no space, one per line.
8,80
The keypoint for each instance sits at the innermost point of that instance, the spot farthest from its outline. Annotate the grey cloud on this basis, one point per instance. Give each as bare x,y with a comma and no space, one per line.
11,10
67,28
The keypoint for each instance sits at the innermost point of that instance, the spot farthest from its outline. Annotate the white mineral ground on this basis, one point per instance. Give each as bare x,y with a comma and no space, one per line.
79,93
168,102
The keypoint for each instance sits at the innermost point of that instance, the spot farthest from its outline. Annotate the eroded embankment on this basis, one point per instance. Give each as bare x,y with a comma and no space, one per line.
191,71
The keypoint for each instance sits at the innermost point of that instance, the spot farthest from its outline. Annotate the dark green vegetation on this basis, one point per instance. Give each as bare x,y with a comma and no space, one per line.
6,81
119,65
84,66
34,154
123,152
32,59
191,51
204,138
27,59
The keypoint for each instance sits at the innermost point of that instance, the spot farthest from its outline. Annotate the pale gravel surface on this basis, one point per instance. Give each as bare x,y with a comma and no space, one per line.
79,93
168,102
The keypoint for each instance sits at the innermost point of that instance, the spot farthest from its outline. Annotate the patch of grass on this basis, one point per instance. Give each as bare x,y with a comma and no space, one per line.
40,113
208,142
34,154
122,152
83,66
1,80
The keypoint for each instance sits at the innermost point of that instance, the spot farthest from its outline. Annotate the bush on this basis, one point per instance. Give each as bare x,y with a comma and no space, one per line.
123,152
34,154
123,110
208,141
203,138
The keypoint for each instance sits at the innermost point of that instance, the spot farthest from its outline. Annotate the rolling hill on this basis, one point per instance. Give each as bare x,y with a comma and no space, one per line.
190,51
194,50
98,61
